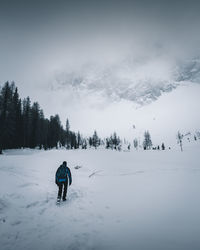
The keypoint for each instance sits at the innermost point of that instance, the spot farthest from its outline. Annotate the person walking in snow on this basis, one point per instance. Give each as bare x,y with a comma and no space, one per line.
63,177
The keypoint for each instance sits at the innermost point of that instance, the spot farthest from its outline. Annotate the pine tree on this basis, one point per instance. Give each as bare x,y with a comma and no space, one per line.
54,131
73,141
115,141
26,119
95,140
18,126
107,143
90,141
78,139
68,134
35,119
135,143
43,131
180,140
163,146
6,117
147,143
84,144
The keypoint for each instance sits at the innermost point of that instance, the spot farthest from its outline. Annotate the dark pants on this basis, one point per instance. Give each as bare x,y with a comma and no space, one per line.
60,188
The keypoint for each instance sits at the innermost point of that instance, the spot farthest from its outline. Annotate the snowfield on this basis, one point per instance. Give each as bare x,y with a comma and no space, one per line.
171,112
118,200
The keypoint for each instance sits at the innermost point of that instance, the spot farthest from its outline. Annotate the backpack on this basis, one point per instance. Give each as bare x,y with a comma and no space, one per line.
61,174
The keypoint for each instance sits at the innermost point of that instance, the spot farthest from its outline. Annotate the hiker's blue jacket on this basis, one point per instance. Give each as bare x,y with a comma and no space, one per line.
63,174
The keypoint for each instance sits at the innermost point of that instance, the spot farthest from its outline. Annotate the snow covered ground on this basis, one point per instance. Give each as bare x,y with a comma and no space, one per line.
118,200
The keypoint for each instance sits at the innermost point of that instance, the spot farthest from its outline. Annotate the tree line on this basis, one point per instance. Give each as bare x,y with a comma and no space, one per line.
23,124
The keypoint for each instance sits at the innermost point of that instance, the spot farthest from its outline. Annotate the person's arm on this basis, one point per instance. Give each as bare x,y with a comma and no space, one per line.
70,176
56,179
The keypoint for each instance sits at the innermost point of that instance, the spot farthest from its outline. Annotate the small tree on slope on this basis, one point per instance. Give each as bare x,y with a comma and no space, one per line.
147,143
180,140
135,143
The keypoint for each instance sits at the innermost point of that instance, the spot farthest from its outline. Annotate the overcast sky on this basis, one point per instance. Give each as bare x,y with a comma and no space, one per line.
39,37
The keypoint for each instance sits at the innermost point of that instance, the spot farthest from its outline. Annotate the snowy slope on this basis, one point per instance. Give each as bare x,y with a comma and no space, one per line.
173,111
140,80
118,200
190,70
151,94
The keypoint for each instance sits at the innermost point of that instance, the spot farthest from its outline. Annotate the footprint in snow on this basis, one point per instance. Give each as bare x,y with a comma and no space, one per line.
15,223
33,204
74,194
3,205
27,185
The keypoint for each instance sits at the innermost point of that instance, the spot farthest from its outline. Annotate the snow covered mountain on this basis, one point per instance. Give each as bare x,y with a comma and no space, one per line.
190,70
154,96
141,81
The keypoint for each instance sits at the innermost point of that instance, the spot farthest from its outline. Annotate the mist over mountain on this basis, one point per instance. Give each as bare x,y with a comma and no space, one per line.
141,81
190,70
97,62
